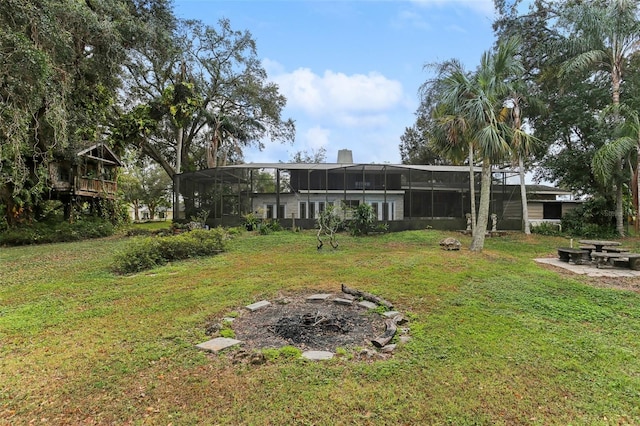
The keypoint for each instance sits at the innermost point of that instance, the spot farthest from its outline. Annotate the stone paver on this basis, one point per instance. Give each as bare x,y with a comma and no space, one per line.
391,314
341,301
589,270
258,305
367,304
218,344
319,297
317,355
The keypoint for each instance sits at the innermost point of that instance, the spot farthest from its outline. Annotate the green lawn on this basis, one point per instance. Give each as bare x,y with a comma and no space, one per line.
497,339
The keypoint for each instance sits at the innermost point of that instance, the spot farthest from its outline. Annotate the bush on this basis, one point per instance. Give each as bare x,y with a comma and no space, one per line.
545,228
148,252
57,232
594,219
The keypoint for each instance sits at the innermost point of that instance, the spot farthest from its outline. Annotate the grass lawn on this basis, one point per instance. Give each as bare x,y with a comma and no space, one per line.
497,339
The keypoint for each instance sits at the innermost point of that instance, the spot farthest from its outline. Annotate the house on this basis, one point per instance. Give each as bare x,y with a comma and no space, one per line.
403,196
88,176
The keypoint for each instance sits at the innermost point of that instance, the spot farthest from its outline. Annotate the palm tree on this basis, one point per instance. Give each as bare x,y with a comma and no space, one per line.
521,143
607,160
605,34
477,98
450,132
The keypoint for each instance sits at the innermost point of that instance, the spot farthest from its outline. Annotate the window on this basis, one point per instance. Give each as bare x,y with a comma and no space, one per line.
388,211
552,211
303,210
320,207
374,208
312,210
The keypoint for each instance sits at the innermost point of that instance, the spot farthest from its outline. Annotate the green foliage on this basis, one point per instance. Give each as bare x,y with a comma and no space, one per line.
594,218
363,220
251,221
57,232
546,228
285,352
148,252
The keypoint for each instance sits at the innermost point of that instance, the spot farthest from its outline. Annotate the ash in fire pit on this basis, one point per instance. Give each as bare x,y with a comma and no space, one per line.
308,326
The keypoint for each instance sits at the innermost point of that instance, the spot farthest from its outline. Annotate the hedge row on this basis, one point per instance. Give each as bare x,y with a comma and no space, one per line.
57,232
148,252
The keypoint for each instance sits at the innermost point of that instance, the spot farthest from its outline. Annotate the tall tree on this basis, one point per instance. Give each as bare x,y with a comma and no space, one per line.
477,98
204,91
602,36
58,80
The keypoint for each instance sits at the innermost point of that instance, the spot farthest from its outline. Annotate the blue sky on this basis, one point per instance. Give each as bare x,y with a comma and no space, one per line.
351,69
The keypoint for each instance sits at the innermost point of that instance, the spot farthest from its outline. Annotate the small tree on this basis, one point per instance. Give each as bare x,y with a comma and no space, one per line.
329,221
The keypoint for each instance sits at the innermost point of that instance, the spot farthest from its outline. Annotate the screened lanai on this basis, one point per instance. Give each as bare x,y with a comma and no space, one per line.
403,196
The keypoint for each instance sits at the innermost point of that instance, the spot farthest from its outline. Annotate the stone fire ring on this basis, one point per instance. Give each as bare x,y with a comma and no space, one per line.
317,324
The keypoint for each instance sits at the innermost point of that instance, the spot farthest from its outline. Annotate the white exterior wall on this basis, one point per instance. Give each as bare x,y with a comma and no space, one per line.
291,203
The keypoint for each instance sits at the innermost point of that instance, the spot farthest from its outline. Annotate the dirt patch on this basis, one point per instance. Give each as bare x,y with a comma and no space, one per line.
320,326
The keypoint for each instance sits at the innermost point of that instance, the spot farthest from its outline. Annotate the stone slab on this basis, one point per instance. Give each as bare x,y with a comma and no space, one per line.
320,297
589,270
367,304
317,355
391,314
341,301
218,344
258,305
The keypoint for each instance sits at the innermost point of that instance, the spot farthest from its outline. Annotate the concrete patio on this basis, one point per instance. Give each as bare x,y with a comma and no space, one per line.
590,270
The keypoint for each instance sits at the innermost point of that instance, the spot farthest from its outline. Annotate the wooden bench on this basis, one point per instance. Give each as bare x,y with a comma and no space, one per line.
577,256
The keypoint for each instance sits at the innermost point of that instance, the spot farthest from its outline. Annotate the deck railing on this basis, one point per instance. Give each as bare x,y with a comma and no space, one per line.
98,186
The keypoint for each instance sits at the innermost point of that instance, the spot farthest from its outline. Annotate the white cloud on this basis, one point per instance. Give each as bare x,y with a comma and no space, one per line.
411,19
337,94
316,138
485,7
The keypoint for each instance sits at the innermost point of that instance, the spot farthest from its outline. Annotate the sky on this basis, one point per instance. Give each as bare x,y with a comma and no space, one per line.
351,69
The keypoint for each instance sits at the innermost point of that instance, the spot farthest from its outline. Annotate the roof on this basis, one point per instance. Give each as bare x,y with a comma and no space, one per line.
101,152
544,190
335,166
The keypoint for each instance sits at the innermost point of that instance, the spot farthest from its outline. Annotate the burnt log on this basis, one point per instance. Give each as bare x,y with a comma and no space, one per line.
367,296
388,334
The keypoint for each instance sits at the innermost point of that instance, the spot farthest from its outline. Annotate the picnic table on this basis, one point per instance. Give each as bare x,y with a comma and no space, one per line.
599,244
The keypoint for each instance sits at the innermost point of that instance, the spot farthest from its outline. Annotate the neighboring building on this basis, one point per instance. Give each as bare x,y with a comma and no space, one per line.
144,214
403,196
87,177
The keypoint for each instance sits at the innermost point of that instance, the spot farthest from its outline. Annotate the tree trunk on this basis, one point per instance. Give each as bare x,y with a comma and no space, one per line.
472,189
636,193
477,242
136,211
619,211
523,195
179,137
616,78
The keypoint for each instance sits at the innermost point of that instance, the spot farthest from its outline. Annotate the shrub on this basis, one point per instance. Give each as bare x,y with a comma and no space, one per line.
363,220
594,219
57,232
545,228
148,252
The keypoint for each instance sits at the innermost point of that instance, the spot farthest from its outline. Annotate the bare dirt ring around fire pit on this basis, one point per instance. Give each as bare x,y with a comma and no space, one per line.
320,326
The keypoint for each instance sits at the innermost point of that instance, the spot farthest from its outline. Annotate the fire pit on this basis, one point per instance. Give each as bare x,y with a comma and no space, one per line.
309,326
